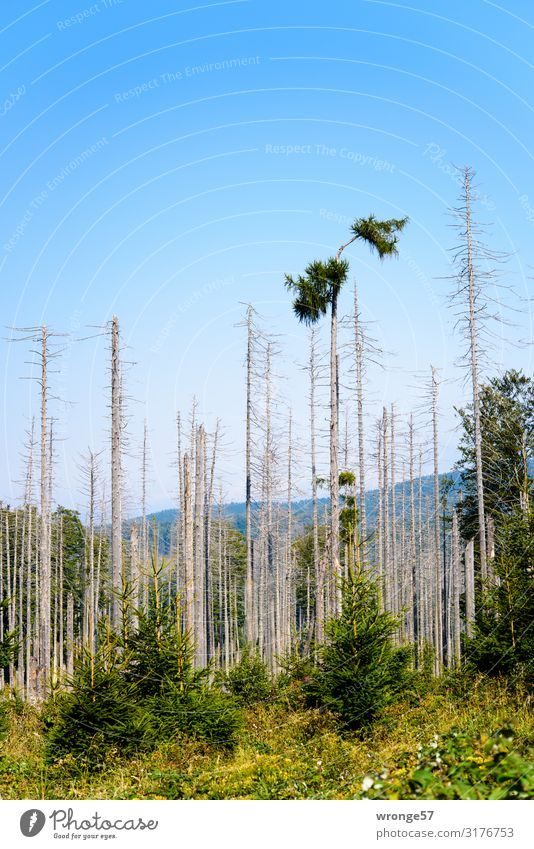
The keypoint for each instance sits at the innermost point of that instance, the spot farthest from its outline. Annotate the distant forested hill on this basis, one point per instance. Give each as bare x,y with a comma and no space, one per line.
302,510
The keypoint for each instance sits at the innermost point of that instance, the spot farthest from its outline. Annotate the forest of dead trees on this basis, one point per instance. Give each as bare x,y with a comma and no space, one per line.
66,582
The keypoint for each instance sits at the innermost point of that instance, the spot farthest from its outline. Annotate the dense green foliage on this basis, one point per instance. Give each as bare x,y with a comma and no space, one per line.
98,716
249,680
302,753
318,288
457,765
4,719
502,640
359,670
503,631
9,643
136,695
507,425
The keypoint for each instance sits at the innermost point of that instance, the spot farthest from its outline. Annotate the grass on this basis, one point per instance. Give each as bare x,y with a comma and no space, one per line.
303,754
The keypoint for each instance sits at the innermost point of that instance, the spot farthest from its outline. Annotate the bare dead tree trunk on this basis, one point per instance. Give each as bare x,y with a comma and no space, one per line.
142,591
317,564
469,560
385,507
412,597
394,559
474,352
188,552
220,629
249,587
334,458
61,651
208,508
44,536
226,603
180,526
55,608
268,501
438,581
405,600
135,566
70,635
18,559
379,536
199,566
116,483
454,653
90,555
57,602
10,623
359,350
101,535
288,576
420,586
29,557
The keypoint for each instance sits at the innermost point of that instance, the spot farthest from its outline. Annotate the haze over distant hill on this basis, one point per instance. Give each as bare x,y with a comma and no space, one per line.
302,509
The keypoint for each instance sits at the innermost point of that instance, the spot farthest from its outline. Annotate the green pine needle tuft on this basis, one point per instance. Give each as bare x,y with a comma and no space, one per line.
381,236
317,288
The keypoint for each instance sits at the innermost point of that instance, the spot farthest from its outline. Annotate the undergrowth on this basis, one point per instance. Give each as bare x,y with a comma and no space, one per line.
464,737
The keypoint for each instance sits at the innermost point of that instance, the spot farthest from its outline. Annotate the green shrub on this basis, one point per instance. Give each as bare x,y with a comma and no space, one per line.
98,716
158,655
4,719
133,697
360,671
249,680
9,644
457,765
457,684
296,671
502,642
206,715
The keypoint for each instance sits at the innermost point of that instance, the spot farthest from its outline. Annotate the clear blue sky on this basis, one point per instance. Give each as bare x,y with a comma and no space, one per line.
168,164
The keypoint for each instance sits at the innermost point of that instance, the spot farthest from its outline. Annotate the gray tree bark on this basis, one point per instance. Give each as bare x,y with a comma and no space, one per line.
438,578
249,586
44,530
359,351
116,482
474,353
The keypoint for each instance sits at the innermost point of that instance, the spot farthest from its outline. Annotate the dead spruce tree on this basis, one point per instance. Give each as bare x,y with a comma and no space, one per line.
471,300
366,353
116,472
250,617
412,559
42,337
437,590
91,475
318,561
